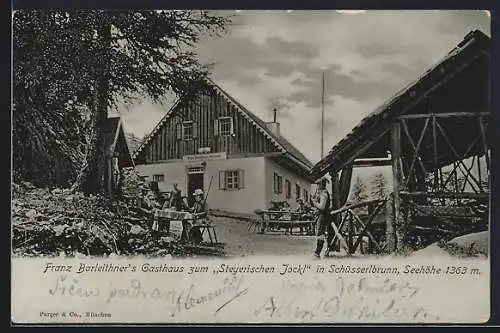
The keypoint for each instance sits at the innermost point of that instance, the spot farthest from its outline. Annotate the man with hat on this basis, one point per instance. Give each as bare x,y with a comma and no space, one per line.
324,230
199,211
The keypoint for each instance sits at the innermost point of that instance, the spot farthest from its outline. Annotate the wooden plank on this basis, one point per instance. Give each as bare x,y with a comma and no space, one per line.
356,205
459,160
161,135
360,163
416,227
450,195
365,227
485,145
456,165
357,219
396,175
350,233
390,231
467,178
444,115
435,153
479,173
416,148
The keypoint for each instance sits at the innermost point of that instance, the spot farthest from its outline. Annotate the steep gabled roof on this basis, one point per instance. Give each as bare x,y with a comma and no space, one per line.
284,145
113,130
474,44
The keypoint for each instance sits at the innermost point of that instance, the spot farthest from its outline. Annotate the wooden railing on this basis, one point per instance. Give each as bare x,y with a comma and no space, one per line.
349,218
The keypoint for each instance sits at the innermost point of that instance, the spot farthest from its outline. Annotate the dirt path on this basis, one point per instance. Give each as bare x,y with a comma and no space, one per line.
241,243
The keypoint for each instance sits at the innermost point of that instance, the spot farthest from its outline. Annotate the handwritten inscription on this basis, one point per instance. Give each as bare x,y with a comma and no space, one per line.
286,292
185,299
364,299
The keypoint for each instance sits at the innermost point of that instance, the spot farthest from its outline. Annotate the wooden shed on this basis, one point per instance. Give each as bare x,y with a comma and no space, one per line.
118,154
434,134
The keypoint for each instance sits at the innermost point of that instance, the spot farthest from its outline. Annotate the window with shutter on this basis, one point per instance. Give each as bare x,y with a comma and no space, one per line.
241,179
297,191
222,180
278,183
231,179
288,189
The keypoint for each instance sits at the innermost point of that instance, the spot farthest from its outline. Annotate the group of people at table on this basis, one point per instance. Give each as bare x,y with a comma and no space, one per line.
153,203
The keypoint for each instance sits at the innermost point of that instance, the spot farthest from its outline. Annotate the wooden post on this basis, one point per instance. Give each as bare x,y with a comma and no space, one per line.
481,189
335,202
396,183
390,232
350,234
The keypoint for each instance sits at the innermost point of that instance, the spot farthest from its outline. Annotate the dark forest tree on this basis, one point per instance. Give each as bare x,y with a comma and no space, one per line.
70,67
359,192
378,186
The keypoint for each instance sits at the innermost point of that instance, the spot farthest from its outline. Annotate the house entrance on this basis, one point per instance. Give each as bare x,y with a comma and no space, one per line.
195,179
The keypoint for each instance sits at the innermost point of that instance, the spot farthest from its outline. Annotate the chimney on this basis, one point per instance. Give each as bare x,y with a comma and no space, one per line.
274,127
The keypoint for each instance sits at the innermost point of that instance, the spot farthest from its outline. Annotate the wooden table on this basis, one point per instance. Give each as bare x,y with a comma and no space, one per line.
165,216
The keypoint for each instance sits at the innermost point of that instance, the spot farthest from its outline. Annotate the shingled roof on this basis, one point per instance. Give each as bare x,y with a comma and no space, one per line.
377,123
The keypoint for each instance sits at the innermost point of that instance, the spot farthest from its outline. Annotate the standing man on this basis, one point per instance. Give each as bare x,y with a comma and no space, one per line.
176,198
321,201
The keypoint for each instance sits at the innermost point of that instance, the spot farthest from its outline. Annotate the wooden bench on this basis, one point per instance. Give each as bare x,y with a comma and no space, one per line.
276,220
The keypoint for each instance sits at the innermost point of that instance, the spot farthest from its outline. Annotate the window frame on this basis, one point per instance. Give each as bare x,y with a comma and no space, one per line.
288,189
233,179
278,183
220,124
155,178
298,192
184,123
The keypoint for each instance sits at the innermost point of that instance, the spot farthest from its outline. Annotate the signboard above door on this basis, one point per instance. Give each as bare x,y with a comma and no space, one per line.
204,157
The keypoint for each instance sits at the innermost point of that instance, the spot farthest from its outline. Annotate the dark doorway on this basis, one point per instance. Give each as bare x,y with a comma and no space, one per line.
195,180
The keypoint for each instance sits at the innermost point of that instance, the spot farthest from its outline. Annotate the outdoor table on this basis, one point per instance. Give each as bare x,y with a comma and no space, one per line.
166,215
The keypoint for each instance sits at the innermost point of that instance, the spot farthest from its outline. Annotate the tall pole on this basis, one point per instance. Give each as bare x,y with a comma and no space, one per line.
322,112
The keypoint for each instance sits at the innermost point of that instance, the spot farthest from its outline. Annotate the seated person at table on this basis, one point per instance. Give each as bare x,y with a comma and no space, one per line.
146,205
199,206
285,207
166,203
175,202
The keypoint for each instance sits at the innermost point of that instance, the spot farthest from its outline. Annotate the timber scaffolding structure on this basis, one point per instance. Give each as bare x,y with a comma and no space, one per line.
434,135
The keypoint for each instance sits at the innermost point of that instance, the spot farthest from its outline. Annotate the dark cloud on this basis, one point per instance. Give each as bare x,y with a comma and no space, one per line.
279,69
298,49
234,56
339,84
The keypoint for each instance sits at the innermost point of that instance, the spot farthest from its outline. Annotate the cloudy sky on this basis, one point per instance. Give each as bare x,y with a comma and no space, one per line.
276,59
